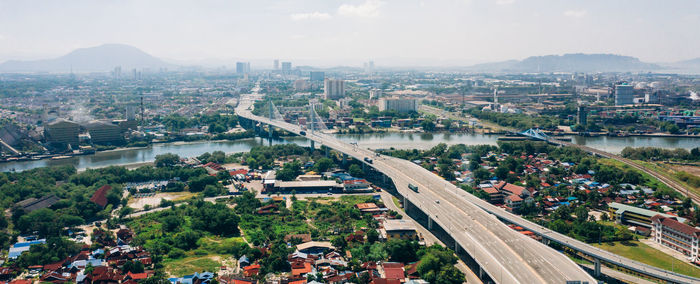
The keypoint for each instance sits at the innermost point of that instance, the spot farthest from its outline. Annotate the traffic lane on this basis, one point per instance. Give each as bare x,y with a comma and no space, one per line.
503,232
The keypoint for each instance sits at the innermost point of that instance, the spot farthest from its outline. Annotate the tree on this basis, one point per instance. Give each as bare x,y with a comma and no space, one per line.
372,236
166,160
290,171
428,125
323,165
355,170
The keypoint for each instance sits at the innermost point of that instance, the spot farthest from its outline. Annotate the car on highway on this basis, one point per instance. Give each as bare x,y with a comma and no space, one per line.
413,187
302,133
368,160
437,201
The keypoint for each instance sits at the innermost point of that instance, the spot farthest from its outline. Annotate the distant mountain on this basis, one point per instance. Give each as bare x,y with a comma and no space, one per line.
686,66
570,63
93,59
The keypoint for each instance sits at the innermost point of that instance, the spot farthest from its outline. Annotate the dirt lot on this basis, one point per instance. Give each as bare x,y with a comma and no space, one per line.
154,201
688,169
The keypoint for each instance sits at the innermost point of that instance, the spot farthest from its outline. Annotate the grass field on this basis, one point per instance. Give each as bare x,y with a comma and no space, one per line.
669,173
189,265
638,251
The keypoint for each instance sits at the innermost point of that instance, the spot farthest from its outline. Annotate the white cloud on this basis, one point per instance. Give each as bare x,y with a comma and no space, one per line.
368,9
575,13
505,2
310,16
2,37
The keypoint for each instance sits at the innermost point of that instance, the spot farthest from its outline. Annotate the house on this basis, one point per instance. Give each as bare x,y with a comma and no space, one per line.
495,196
100,196
513,202
398,229
368,208
392,271
251,270
300,269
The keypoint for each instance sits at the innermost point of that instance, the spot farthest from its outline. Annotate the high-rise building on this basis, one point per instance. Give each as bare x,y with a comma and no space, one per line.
276,64
286,66
317,76
242,67
582,117
369,67
624,95
374,94
398,104
62,131
333,89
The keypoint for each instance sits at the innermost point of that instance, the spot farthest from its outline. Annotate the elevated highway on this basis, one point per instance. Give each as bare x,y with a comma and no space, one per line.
502,254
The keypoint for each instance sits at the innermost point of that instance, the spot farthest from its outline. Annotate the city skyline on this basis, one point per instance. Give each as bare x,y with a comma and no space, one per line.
352,32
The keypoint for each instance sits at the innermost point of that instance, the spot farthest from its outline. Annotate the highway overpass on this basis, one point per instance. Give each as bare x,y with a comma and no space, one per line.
503,255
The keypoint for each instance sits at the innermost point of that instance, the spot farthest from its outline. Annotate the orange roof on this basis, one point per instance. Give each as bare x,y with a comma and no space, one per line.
300,271
251,267
137,276
366,206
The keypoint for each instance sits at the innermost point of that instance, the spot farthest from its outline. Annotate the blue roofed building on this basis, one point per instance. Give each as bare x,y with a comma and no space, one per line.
17,249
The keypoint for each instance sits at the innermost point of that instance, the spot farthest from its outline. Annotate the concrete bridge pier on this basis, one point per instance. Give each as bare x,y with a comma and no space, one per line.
430,225
328,150
345,159
481,272
405,205
596,271
313,145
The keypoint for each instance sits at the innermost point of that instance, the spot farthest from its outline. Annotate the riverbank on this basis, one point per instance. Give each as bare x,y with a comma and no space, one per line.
403,140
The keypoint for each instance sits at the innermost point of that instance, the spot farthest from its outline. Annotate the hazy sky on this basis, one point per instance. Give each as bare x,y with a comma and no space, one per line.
353,31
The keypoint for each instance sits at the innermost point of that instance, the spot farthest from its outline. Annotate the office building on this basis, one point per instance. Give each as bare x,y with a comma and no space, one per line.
624,95
398,104
680,237
61,131
242,67
286,66
582,117
103,132
317,76
333,89
276,64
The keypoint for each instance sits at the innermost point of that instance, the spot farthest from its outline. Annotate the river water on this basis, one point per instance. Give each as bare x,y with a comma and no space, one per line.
374,141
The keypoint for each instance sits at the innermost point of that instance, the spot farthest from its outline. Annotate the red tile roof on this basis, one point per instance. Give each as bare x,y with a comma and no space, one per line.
100,196
675,225
393,270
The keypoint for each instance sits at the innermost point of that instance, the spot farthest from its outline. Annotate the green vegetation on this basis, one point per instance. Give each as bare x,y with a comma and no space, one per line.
659,154
517,120
191,264
643,253
217,123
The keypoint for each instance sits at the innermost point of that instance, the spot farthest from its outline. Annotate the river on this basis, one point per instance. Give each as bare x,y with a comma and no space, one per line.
374,141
